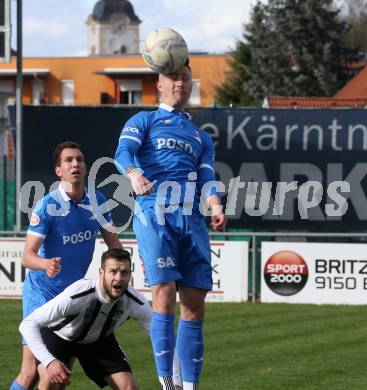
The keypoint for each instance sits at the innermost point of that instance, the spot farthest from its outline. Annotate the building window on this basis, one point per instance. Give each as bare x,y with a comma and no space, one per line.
130,92
106,98
195,93
67,92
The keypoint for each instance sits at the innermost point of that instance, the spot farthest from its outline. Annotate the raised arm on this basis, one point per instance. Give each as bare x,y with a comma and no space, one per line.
130,141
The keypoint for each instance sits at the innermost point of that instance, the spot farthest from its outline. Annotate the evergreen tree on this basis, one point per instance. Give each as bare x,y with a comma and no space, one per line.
269,68
233,90
295,48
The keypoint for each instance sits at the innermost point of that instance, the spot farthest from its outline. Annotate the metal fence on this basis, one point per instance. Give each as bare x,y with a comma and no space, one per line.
7,168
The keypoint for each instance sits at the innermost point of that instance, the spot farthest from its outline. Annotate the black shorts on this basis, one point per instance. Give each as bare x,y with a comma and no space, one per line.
99,359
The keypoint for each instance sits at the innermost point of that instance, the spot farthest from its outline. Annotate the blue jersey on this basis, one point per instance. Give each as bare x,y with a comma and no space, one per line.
69,230
167,146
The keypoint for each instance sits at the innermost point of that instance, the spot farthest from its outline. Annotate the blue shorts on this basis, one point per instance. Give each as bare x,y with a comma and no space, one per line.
178,251
32,299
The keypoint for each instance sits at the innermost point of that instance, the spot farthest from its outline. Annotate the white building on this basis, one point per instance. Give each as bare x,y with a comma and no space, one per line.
113,28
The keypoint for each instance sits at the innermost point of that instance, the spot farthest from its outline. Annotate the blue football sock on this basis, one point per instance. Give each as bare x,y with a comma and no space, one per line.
16,386
190,349
163,341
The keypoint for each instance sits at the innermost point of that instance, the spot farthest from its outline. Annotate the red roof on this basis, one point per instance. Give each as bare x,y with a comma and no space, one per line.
315,102
356,87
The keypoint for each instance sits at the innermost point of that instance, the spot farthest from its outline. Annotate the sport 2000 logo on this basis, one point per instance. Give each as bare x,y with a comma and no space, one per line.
286,273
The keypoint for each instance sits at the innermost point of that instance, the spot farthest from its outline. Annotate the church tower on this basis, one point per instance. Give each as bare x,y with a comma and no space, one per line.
113,28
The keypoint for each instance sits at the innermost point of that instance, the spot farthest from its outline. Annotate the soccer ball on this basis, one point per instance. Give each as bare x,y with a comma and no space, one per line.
164,50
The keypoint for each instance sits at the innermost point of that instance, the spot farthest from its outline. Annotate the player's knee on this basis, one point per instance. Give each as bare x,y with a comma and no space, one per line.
128,385
50,386
29,366
164,307
192,305
131,386
164,298
192,312
121,381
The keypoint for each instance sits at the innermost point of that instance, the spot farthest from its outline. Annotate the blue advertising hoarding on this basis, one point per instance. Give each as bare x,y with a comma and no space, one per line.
286,169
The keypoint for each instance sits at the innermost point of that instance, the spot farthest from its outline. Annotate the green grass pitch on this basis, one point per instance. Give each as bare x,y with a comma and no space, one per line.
247,346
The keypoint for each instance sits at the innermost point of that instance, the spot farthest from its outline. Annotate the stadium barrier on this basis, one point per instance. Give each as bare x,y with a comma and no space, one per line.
330,271
229,269
280,271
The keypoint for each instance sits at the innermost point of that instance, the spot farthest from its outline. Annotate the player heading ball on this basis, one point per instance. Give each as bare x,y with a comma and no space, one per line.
167,155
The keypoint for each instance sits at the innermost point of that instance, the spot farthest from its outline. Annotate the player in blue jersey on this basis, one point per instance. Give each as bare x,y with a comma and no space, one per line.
60,242
169,161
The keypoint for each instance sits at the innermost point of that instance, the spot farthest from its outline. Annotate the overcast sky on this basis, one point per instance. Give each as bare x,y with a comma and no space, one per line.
57,27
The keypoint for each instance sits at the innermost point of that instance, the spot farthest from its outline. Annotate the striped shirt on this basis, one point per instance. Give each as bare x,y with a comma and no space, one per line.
81,314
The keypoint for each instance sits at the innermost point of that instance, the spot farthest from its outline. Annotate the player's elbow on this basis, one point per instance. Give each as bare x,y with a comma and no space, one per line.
25,261
120,156
111,239
118,165
21,328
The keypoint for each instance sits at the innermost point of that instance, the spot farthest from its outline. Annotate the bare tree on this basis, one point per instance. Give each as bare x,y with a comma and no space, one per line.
355,14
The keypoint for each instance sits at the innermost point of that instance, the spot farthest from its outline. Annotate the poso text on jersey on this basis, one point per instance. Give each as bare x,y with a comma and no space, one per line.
173,143
79,237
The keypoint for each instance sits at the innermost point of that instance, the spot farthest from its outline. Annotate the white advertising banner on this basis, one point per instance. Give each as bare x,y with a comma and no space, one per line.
318,273
12,273
229,264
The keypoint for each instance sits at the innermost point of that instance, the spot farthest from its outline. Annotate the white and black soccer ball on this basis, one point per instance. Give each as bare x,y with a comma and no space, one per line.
165,50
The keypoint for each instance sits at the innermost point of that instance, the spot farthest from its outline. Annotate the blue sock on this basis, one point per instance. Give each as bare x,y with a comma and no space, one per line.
16,386
162,336
190,349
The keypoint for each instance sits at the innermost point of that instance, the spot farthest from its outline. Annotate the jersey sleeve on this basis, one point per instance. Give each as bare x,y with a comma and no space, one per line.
142,312
51,312
131,139
206,172
39,223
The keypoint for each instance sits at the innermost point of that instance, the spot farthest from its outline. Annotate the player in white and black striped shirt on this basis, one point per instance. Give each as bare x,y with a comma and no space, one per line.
80,323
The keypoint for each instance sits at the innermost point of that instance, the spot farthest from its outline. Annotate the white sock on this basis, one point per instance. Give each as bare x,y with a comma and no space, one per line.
190,386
